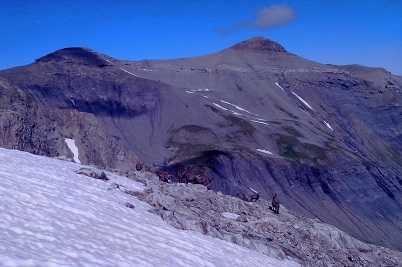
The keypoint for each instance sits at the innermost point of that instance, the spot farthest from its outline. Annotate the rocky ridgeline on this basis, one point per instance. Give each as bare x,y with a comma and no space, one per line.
326,138
253,225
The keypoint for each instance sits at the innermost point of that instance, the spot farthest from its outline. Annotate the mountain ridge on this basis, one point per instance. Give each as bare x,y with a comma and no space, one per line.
326,138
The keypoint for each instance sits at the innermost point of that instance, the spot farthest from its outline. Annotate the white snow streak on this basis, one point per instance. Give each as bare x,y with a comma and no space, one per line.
72,101
328,125
126,71
201,90
277,84
51,216
302,100
260,122
73,148
253,190
237,107
219,106
264,151
108,61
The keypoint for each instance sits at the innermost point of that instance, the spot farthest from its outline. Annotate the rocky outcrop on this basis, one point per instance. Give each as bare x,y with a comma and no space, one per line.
253,225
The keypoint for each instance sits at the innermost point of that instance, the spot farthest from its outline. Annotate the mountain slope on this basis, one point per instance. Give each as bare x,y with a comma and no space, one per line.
52,216
61,213
326,138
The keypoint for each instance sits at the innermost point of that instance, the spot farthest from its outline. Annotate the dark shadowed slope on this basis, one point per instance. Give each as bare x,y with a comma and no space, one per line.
326,138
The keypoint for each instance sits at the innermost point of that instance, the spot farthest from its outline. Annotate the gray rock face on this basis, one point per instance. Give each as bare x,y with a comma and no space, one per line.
255,226
326,138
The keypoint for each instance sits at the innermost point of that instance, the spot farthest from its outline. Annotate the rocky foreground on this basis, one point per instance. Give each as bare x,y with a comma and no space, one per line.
60,213
253,225
57,213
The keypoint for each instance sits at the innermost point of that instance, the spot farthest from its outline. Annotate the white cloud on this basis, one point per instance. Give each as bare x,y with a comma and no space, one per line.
274,16
266,18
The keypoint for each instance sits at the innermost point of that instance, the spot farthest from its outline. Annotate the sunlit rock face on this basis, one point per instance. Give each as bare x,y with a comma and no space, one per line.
326,138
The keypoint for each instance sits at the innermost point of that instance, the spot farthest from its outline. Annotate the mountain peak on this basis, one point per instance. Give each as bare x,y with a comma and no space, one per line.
260,44
79,55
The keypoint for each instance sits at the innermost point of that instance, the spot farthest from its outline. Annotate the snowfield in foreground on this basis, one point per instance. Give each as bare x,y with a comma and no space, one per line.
51,216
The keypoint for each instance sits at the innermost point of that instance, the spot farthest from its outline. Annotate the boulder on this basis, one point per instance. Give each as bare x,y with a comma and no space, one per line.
93,173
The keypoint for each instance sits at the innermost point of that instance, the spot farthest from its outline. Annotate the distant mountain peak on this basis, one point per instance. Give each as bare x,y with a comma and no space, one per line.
80,55
259,44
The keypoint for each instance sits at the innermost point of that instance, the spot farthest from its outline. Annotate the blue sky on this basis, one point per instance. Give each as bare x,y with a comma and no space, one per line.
339,32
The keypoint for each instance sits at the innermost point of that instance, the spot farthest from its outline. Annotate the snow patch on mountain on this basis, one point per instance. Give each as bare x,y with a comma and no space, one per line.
201,90
126,71
237,107
278,85
328,125
52,216
260,122
302,100
73,148
265,151
145,69
219,106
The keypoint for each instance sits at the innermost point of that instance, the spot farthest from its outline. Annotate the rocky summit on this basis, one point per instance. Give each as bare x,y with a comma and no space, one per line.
253,117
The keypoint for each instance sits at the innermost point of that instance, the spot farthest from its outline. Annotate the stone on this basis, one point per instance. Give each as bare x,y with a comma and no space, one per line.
93,173
129,205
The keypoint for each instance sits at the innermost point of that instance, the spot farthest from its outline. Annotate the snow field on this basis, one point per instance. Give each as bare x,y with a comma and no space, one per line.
52,216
